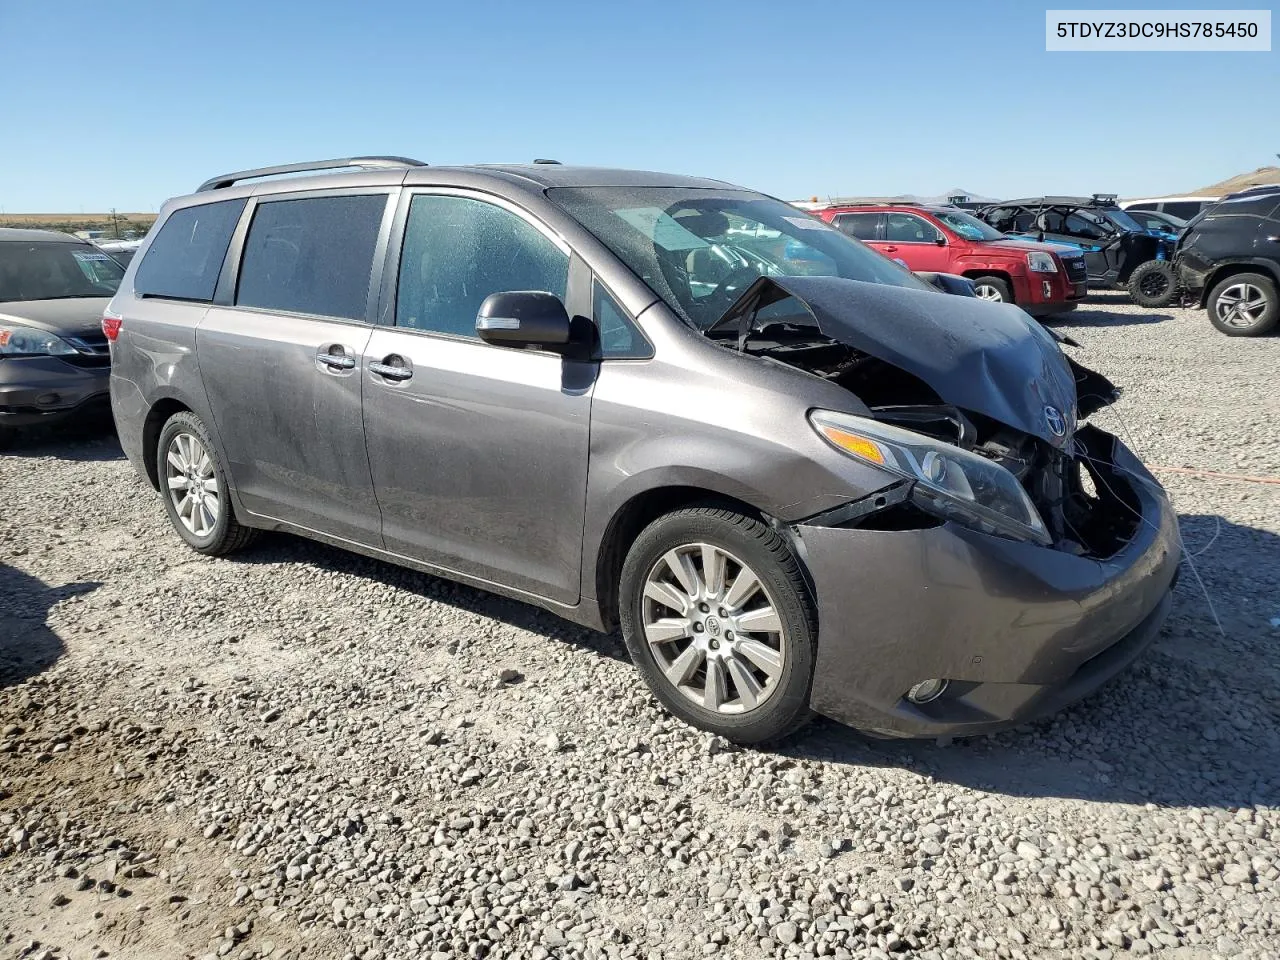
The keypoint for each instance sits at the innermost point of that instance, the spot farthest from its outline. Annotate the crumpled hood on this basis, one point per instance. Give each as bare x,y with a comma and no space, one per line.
989,358
69,316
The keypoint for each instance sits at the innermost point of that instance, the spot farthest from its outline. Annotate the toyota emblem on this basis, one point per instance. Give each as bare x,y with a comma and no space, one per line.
1056,421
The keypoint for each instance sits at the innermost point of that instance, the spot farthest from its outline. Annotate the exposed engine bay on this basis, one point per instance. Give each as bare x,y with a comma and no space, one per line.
1088,507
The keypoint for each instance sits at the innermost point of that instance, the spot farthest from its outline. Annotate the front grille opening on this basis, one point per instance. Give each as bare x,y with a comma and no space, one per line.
898,517
1101,510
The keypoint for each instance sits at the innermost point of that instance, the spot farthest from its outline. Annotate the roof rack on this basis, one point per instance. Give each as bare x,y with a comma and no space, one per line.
227,179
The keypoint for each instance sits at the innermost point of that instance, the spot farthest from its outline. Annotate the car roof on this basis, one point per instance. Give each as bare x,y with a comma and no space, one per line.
1065,201
21,234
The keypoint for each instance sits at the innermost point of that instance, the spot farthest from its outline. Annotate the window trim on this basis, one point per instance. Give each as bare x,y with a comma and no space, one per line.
385,315
229,280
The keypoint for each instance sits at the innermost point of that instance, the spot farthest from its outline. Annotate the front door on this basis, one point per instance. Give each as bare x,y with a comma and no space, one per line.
282,365
478,452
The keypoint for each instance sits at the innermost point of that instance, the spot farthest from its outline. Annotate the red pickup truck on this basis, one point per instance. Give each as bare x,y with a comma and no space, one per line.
1041,278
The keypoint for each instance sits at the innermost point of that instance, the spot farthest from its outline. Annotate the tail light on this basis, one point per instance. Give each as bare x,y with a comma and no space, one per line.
111,325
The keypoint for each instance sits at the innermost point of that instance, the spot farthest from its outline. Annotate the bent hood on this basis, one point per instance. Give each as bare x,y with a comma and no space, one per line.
989,358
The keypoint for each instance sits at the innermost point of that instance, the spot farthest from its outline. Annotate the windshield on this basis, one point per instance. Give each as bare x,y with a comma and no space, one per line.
49,270
700,249
1123,220
971,228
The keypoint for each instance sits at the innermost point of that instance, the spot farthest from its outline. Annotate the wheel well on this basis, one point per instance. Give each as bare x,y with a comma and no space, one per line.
157,417
998,274
631,518
1230,270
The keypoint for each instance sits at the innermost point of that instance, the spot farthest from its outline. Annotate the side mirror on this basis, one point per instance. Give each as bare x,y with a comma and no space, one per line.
941,241
523,318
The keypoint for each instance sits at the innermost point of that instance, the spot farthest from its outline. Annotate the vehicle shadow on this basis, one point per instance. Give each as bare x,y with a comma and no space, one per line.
28,646
285,548
93,440
1195,722
1099,318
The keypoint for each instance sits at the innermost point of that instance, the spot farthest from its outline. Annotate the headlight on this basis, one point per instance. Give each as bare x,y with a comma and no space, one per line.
18,341
949,482
1040,262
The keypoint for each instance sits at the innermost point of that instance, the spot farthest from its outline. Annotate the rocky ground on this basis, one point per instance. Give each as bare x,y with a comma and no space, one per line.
301,753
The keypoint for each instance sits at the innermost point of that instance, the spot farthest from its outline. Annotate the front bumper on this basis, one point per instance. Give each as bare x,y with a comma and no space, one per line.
1018,629
45,390
1060,296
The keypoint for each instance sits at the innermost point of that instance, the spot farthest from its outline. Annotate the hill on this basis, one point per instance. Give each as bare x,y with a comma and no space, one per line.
1263,175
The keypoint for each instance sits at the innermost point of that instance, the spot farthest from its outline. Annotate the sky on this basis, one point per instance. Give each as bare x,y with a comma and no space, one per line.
124,104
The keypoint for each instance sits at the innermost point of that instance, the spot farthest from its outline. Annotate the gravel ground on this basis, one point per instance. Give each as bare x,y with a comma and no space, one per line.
303,753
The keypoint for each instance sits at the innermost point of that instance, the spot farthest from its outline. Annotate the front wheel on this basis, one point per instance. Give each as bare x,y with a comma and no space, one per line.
1244,305
1152,284
718,620
992,288
194,488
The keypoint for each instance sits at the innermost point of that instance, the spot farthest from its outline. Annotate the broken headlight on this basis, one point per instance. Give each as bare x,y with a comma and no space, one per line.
949,482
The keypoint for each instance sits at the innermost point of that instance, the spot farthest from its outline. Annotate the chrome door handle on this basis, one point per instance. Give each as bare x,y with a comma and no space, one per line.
337,361
390,372
1274,239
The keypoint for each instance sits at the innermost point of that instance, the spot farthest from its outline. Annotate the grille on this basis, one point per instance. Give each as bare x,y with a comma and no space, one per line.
1077,272
94,350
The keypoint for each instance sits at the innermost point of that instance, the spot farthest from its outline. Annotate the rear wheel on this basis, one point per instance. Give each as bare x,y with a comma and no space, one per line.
1244,305
992,288
718,619
1152,284
194,488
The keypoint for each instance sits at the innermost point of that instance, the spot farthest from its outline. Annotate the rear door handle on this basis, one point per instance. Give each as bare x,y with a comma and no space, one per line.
336,356
394,367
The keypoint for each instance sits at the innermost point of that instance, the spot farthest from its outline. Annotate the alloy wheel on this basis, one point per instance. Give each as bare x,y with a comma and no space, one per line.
713,629
1241,305
984,291
192,485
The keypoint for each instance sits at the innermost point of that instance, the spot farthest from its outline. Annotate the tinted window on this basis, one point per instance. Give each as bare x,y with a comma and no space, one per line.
1186,209
1247,206
185,258
860,225
457,251
905,228
311,256
618,335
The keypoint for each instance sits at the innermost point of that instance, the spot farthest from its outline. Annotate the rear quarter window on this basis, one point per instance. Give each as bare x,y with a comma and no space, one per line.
185,258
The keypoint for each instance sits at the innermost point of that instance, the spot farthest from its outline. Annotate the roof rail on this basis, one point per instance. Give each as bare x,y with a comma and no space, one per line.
227,179
556,162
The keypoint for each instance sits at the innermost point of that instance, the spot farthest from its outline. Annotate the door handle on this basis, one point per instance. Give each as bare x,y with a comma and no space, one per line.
394,367
1274,239
890,248
336,356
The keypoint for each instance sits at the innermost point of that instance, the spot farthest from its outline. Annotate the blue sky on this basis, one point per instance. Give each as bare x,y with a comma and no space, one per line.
133,102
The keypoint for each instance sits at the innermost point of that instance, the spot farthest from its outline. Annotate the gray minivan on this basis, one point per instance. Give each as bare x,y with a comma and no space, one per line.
797,476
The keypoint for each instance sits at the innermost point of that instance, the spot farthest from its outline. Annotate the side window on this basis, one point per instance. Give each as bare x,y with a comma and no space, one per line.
312,256
619,337
859,225
185,258
1151,205
1078,225
907,228
1186,209
1247,206
457,251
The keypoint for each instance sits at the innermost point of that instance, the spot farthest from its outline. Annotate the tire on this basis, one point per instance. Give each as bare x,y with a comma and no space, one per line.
764,675
1244,305
1153,284
208,524
992,288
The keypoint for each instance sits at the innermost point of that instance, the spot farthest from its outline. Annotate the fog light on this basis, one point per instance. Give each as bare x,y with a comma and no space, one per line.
927,690
1048,289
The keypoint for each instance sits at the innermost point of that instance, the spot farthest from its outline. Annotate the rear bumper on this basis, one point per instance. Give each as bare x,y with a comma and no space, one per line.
1017,629
46,390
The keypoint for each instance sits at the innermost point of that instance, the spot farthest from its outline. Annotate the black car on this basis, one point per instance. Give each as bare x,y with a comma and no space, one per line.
54,362
1119,251
1229,259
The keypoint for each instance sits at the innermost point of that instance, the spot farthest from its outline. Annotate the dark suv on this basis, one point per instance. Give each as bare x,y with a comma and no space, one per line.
1229,258
797,476
1119,251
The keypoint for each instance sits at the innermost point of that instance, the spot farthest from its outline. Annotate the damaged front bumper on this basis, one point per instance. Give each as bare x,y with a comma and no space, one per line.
1017,630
